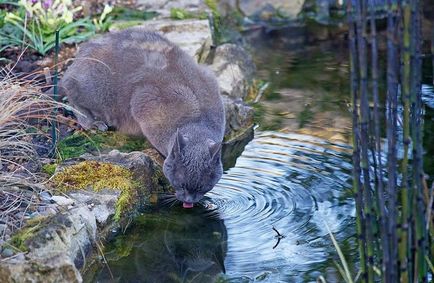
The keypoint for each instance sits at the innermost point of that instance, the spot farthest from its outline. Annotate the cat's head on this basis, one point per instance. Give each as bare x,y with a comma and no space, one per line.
193,168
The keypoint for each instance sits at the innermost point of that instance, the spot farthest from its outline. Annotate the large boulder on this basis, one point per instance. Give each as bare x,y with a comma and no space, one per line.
56,247
234,69
191,35
263,8
163,7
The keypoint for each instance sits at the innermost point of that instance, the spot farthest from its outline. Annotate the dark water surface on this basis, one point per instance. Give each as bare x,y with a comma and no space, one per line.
294,176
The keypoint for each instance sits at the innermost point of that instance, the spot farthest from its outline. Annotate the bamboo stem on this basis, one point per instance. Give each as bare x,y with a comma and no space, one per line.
356,160
405,86
382,216
365,189
420,205
391,121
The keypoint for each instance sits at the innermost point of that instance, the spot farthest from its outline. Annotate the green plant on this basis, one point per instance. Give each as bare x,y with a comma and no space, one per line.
104,22
215,21
34,25
181,14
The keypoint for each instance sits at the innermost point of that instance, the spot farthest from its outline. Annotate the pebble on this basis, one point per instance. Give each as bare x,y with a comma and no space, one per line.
47,211
63,201
7,252
2,228
32,215
45,196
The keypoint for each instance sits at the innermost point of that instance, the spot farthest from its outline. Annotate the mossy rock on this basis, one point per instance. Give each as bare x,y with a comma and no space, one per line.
98,176
20,238
80,143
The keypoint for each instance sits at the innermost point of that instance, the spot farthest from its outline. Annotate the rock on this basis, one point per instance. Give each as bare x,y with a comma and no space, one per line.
56,249
54,269
191,35
143,167
3,227
45,196
239,116
6,252
234,69
62,201
262,8
163,7
102,204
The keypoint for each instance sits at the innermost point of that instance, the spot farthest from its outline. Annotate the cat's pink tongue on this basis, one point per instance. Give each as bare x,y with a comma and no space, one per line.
187,205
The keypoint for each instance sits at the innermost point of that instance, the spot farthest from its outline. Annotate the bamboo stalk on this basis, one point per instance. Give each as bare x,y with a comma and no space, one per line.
420,205
356,160
405,87
432,55
382,216
391,121
365,189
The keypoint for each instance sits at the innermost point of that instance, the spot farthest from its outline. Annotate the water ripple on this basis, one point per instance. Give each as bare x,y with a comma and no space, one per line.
293,183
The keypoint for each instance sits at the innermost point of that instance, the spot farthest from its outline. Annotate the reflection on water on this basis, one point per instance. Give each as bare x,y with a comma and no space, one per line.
167,245
309,91
291,182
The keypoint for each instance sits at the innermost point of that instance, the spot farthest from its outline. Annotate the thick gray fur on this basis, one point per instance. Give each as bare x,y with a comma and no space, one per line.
142,84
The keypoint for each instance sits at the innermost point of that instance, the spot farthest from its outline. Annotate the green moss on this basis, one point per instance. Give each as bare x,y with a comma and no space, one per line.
273,96
182,14
76,145
80,143
217,22
128,14
120,25
259,113
49,168
305,116
18,240
99,176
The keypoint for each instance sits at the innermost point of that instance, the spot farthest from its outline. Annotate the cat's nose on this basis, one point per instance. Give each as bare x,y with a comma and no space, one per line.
188,197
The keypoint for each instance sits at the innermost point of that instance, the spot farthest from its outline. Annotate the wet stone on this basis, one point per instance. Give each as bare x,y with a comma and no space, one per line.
62,201
45,196
7,252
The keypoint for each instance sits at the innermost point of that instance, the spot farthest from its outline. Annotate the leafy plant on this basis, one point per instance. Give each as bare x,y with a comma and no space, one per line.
182,14
103,23
123,13
35,22
216,20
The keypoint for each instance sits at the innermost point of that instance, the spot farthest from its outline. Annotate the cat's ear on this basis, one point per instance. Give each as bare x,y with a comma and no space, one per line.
215,149
180,143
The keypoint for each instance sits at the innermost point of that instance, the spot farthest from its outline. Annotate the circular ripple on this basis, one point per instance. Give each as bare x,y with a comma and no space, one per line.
293,183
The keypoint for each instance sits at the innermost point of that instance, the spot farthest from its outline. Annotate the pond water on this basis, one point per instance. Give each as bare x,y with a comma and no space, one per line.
267,219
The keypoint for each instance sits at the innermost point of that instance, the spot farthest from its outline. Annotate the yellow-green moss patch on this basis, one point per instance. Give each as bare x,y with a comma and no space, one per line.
82,142
18,240
98,176
49,169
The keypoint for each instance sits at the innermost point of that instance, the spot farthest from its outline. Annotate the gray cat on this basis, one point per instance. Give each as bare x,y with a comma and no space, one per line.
142,84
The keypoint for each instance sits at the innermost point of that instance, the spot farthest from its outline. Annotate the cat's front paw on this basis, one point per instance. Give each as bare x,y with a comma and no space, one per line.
100,125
